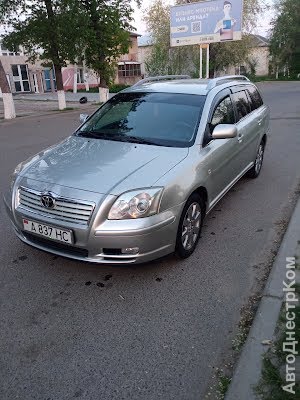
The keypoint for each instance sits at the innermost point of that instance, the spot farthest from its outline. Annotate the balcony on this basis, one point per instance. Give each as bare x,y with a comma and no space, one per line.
128,57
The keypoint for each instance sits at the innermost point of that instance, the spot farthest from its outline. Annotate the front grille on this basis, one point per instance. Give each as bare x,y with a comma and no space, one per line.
65,209
56,246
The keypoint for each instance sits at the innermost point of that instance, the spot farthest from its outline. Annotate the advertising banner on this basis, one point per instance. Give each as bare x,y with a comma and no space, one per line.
206,22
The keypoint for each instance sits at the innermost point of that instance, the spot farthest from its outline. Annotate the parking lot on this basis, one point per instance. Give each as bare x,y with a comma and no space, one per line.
154,331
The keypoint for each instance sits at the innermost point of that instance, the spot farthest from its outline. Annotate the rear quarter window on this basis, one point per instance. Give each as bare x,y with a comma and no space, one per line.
255,97
242,104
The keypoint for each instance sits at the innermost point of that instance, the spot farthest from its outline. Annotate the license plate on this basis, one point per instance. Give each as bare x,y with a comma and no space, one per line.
50,232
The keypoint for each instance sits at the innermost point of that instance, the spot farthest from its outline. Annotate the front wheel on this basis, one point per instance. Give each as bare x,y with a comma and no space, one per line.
255,170
190,225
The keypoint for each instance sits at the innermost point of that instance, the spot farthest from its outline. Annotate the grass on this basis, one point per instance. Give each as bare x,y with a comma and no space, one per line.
65,109
270,385
272,79
112,89
223,385
297,260
247,316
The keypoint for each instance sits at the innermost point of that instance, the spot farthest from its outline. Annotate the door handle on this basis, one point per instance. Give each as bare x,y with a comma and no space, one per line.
259,121
240,137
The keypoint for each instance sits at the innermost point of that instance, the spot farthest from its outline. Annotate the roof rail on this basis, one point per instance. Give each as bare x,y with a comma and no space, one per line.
160,78
224,79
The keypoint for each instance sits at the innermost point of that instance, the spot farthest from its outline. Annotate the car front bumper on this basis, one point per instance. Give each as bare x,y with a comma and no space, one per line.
104,240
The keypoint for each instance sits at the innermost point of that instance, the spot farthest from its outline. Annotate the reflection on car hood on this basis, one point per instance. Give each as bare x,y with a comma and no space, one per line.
102,166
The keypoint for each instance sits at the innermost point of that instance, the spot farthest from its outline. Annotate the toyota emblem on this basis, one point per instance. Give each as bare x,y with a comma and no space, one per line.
47,201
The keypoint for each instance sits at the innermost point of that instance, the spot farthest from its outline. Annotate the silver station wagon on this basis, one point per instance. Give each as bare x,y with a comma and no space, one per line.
136,179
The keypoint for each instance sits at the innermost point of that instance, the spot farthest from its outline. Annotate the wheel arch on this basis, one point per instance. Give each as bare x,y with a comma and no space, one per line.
202,191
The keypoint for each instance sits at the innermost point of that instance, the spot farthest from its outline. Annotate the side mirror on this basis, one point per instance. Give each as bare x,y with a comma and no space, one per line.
224,131
83,118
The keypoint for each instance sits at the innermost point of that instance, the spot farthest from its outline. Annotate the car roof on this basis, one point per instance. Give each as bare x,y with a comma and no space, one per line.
186,86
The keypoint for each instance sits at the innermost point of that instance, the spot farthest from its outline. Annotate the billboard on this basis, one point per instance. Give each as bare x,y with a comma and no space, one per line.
206,22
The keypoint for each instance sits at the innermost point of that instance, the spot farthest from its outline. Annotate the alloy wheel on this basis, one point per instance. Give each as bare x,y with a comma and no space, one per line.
191,226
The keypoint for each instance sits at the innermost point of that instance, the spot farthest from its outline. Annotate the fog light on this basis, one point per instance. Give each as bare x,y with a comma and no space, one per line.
130,250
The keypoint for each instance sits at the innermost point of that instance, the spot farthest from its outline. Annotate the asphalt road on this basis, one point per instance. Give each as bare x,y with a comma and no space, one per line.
72,330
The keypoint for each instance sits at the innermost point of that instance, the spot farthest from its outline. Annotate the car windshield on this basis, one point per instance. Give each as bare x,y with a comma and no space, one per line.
162,119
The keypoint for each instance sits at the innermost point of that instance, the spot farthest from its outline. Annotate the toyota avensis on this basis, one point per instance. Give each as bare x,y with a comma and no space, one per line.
136,179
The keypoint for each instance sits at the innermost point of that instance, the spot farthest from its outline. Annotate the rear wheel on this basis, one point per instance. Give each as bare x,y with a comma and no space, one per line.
190,225
255,170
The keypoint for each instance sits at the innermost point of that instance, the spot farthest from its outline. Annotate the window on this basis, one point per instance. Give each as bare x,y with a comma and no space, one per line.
242,104
223,113
20,78
6,52
80,75
48,75
256,100
128,70
166,119
243,70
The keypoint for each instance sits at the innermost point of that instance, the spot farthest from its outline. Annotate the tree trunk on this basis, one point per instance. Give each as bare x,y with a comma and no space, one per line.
9,106
75,79
86,77
103,91
55,56
60,88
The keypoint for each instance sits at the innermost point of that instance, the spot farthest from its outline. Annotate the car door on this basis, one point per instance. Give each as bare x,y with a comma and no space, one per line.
220,154
247,127
260,116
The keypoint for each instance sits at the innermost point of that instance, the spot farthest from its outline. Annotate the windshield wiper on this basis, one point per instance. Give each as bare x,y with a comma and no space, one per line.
119,136
136,139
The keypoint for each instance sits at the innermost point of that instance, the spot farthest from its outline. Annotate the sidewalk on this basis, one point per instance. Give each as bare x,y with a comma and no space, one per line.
36,104
70,97
38,107
247,373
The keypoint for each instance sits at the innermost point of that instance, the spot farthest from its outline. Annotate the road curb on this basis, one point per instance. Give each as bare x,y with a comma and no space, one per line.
248,370
47,113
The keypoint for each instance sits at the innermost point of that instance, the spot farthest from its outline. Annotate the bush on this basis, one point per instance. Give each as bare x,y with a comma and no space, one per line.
117,88
112,89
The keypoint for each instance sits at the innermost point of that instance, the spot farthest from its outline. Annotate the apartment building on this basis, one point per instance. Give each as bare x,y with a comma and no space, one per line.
24,77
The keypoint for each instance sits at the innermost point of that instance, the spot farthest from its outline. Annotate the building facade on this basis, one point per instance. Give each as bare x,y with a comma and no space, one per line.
24,77
259,57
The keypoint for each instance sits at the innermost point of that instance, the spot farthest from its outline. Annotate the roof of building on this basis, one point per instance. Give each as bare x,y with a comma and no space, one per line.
260,41
145,40
134,34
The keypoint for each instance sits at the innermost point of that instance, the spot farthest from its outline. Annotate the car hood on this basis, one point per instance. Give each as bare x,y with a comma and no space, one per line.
102,166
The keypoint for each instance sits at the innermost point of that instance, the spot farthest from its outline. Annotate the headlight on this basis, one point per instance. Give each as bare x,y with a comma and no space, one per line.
14,175
136,204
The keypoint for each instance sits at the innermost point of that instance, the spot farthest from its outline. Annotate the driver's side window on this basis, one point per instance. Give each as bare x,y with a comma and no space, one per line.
223,114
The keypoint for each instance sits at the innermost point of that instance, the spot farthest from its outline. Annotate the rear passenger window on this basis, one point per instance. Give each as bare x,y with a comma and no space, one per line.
223,113
256,100
242,104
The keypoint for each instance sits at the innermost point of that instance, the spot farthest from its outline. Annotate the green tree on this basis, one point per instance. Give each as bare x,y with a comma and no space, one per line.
185,59
163,59
285,37
105,36
49,30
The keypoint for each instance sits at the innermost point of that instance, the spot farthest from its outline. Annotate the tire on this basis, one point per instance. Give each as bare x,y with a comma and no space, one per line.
255,170
190,223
